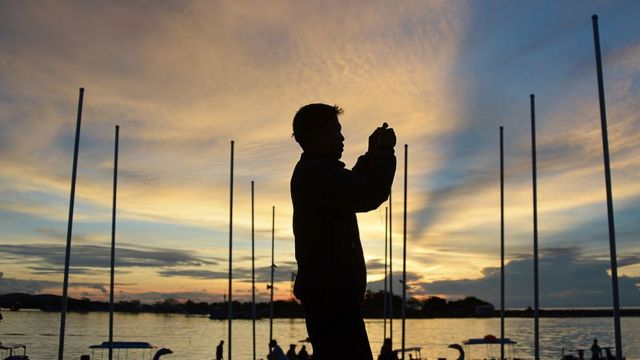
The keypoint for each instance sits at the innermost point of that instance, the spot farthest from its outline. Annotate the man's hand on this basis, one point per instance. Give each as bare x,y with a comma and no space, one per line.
387,137
382,137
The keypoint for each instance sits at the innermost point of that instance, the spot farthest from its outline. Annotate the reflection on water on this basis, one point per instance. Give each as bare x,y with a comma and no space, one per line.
195,337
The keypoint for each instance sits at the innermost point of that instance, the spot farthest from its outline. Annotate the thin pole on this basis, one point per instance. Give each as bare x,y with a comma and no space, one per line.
385,297
607,176
273,266
391,265
536,293
230,304
404,250
67,254
253,269
113,241
501,244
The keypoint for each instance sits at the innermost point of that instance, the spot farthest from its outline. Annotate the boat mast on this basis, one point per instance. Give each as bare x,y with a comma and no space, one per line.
273,266
501,244
67,254
385,298
536,293
253,270
230,303
113,241
607,176
404,250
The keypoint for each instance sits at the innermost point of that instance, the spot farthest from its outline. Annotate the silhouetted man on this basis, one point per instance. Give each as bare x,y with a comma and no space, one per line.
291,354
386,352
326,196
219,350
275,351
595,350
303,354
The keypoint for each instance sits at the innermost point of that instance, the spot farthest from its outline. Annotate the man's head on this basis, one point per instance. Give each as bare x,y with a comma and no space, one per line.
317,129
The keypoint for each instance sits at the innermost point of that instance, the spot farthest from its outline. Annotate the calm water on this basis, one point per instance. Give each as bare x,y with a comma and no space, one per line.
195,337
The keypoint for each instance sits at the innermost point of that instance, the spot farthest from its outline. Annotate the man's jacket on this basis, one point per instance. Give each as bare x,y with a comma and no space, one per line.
326,198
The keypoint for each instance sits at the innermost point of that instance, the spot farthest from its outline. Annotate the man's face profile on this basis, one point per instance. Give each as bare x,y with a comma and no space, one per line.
329,139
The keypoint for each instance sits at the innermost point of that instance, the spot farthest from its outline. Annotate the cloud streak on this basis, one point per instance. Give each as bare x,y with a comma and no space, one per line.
567,279
93,257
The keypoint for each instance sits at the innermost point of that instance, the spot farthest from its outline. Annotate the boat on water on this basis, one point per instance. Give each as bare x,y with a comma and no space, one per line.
10,351
579,354
412,353
487,347
143,349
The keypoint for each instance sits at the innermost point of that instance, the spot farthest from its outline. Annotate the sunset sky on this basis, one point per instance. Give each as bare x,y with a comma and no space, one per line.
184,78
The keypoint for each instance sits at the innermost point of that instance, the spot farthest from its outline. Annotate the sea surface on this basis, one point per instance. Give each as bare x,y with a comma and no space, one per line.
195,337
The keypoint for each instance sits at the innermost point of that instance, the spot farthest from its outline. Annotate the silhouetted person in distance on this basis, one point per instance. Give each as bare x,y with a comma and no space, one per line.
275,351
219,350
303,354
291,354
595,350
386,352
332,276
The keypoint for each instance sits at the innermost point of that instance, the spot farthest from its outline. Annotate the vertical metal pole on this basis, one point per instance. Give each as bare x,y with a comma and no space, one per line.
273,266
391,265
404,250
536,293
253,269
67,254
501,244
386,297
113,241
607,176
230,304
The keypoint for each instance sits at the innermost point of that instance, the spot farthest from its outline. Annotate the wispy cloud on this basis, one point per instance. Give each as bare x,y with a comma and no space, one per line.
282,273
50,258
568,278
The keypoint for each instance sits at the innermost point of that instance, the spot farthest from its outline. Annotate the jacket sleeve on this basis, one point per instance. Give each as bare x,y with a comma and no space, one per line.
366,186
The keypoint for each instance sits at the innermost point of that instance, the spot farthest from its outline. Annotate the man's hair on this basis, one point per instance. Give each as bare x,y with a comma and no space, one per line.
311,116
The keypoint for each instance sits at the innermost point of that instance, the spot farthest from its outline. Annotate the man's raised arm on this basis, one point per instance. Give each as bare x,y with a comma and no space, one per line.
368,184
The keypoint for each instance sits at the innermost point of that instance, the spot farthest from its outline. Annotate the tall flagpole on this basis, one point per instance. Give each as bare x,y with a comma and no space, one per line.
385,298
113,241
536,293
230,304
501,244
607,177
273,266
404,250
67,254
391,264
253,270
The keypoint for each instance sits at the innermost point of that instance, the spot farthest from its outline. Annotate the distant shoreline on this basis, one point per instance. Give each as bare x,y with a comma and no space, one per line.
516,314
434,308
